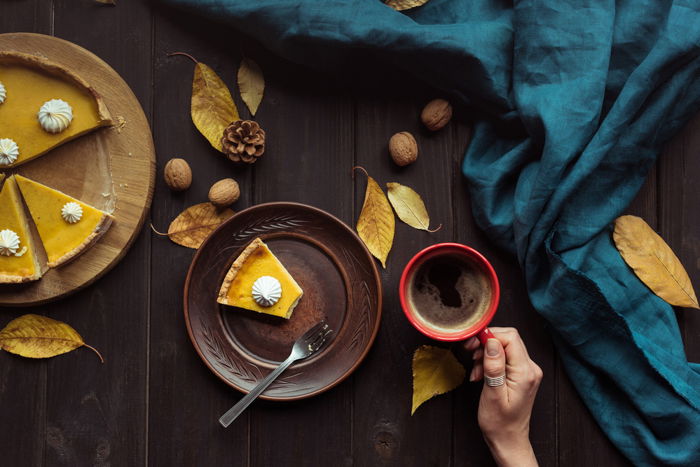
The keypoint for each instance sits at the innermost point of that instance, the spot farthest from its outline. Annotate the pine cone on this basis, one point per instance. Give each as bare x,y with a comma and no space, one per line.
243,140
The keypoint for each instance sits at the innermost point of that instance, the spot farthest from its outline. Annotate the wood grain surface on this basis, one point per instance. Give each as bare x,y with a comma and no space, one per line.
127,148
155,403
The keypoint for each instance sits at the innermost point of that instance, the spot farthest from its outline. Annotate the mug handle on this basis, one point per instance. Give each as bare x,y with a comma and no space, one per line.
484,335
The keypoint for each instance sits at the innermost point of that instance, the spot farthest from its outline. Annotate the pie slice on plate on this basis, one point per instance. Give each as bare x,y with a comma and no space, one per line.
19,260
258,281
67,226
29,84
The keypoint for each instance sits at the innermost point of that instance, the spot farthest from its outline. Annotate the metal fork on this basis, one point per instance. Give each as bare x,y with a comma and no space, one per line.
304,347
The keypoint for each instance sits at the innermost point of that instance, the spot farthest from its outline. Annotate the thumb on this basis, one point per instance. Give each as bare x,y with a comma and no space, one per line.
494,365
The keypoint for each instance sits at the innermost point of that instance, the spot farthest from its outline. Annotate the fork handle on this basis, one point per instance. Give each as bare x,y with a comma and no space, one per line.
233,413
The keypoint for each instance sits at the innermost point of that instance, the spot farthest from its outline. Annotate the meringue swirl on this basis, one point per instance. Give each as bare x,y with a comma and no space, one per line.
267,291
9,242
71,212
55,115
3,93
9,151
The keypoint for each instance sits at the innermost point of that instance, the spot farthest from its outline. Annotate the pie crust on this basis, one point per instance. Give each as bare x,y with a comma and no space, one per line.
47,142
289,285
44,205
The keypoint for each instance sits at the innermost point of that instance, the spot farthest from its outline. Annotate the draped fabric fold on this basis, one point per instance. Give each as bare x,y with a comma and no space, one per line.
575,100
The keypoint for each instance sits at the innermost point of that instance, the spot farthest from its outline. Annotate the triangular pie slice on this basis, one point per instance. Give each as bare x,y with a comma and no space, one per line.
24,264
257,261
29,82
62,240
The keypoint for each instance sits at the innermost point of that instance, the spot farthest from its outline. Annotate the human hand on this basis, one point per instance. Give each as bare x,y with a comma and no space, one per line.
504,411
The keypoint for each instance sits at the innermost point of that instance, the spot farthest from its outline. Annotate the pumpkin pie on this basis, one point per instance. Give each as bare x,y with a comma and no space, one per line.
35,89
19,260
66,226
258,281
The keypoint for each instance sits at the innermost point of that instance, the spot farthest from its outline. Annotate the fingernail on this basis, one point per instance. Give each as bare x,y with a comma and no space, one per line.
471,377
491,347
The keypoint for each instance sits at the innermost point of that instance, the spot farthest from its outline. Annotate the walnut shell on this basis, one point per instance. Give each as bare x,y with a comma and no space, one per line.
403,148
224,192
177,174
436,114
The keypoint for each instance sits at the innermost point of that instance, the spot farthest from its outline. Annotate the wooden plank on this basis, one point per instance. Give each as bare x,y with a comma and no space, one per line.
514,311
308,159
22,404
679,217
186,399
22,382
26,16
96,414
384,431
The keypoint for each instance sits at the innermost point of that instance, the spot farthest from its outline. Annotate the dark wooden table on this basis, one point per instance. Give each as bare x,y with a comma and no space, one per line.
154,402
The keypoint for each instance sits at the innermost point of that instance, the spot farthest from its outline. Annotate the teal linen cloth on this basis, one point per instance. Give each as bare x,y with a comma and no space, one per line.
575,100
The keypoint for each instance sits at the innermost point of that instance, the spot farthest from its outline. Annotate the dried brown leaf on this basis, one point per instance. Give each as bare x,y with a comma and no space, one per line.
212,107
35,336
409,206
435,371
400,5
376,222
196,223
251,84
653,261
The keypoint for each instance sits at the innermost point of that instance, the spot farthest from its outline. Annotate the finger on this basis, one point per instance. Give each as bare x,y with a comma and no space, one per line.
478,371
513,345
471,344
478,354
494,366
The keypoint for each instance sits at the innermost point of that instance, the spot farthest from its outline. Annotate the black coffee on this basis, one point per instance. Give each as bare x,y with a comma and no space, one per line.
449,293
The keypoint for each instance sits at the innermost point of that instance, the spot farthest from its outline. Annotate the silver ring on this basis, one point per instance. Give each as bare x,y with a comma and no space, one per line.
495,382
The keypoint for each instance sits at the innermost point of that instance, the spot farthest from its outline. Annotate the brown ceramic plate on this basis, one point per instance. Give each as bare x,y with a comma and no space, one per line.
341,285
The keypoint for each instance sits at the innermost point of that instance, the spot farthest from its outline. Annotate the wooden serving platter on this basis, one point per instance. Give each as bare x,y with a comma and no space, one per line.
112,168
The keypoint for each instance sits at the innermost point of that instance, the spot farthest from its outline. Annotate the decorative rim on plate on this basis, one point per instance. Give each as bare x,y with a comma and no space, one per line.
224,355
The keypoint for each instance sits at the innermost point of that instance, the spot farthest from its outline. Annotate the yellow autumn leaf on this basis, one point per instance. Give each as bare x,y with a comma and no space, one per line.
35,336
409,206
376,222
196,223
400,5
435,371
251,84
653,261
212,107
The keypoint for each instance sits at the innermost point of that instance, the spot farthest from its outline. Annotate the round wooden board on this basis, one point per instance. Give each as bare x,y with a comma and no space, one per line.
131,157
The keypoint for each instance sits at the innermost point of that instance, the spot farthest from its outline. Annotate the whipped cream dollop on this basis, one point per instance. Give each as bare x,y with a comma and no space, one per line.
3,93
9,151
55,115
71,212
267,291
9,242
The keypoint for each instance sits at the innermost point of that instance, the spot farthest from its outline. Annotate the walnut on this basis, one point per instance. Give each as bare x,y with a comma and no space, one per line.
177,174
403,148
436,114
224,192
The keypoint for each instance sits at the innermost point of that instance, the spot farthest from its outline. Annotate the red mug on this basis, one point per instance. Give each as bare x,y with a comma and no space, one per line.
479,328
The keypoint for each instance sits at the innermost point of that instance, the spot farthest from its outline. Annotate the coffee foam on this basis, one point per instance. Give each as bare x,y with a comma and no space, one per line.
447,307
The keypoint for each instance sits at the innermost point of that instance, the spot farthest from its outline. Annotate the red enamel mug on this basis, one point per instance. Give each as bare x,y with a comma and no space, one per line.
475,258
